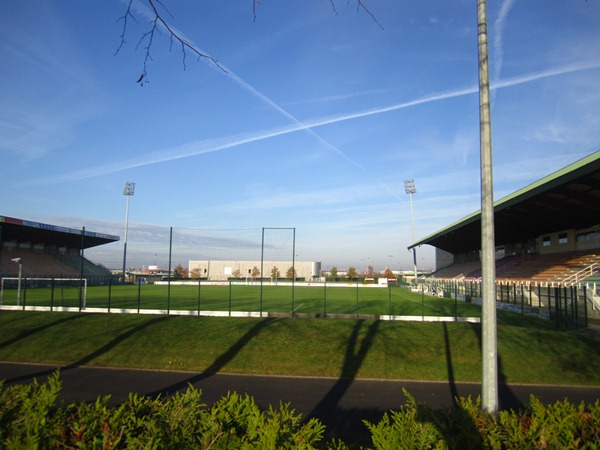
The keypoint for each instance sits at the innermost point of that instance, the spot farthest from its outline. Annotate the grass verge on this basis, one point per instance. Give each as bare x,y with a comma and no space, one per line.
309,347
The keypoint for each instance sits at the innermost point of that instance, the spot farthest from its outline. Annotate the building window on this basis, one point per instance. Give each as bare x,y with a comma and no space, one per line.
546,241
563,238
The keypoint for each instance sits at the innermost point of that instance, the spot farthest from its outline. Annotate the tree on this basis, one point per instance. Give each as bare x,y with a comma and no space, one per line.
158,25
236,273
196,273
334,272
275,272
369,271
291,273
180,272
387,273
352,273
255,272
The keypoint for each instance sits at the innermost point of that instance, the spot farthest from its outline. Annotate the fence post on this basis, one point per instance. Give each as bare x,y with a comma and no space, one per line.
169,274
356,307
199,283
81,269
109,292
262,257
230,298
390,301
139,299
325,298
585,302
52,294
24,293
423,303
557,305
575,298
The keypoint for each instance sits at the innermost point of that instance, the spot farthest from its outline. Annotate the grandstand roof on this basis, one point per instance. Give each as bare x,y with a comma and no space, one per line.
566,199
21,231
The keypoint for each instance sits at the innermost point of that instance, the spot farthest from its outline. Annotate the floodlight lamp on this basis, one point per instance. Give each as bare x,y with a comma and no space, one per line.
409,186
129,188
16,260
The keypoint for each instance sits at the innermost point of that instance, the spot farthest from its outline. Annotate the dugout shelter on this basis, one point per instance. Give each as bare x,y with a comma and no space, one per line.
46,250
556,218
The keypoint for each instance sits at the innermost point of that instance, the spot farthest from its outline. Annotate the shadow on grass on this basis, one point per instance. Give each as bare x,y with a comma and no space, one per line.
32,331
96,353
449,365
347,423
218,363
506,398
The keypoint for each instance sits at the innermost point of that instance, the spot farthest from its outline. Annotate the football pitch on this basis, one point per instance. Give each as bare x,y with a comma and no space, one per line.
203,298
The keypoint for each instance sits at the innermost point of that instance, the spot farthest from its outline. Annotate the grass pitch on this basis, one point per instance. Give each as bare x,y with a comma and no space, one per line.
204,298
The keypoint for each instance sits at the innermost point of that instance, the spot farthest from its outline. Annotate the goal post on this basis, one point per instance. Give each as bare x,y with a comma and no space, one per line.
47,290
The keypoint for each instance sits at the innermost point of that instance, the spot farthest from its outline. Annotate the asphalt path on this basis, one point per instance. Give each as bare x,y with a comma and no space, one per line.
341,404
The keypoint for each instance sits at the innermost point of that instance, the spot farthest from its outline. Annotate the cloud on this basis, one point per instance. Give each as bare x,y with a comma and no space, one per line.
500,24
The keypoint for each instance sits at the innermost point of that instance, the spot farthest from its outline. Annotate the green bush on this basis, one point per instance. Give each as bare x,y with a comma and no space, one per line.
559,426
31,419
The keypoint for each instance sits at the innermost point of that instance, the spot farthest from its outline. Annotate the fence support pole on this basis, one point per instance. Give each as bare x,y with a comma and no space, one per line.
199,283
325,298
52,294
109,292
170,260
262,256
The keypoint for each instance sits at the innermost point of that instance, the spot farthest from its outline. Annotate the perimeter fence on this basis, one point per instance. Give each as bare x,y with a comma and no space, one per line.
568,305
248,272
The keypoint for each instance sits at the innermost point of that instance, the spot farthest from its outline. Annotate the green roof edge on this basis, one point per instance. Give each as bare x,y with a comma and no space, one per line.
520,194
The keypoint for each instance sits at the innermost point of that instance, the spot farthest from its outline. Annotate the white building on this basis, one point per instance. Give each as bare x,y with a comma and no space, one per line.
222,270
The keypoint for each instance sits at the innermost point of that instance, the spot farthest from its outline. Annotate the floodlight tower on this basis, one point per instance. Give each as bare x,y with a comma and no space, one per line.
128,191
410,189
19,261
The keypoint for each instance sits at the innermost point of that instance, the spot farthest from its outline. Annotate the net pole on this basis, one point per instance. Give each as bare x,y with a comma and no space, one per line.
262,257
169,278
81,300
293,267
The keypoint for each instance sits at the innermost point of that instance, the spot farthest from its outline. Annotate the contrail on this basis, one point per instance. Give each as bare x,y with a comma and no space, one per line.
500,23
206,146
266,100
213,145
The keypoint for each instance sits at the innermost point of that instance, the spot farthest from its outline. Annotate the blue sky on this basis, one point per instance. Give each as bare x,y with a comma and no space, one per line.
314,123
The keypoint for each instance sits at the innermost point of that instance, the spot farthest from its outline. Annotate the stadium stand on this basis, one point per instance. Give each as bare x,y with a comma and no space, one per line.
47,250
547,231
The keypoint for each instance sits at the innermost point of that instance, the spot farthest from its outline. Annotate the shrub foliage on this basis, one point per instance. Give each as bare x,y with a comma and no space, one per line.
30,418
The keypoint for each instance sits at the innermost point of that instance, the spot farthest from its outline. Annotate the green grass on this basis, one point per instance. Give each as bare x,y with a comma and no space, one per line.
309,347
234,297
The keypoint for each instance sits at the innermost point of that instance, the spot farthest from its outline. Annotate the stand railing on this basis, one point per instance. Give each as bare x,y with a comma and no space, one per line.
583,273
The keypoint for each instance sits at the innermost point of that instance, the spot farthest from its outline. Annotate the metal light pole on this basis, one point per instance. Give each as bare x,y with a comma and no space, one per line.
489,344
19,261
128,191
410,189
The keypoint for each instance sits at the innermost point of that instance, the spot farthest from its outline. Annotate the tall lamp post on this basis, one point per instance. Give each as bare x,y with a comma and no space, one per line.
128,191
19,261
410,189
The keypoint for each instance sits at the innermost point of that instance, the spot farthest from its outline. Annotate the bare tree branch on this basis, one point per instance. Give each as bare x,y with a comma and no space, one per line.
158,22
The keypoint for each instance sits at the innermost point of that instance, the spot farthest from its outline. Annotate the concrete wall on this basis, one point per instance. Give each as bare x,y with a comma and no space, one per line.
222,270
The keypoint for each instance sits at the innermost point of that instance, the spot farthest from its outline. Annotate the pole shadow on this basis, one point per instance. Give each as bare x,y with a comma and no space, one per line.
218,363
100,351
347,424
449,366
506,398
31,332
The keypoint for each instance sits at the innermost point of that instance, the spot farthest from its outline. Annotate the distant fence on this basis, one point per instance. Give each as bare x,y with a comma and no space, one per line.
568,305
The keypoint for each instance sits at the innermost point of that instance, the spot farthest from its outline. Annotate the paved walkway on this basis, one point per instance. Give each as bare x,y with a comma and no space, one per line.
341,404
